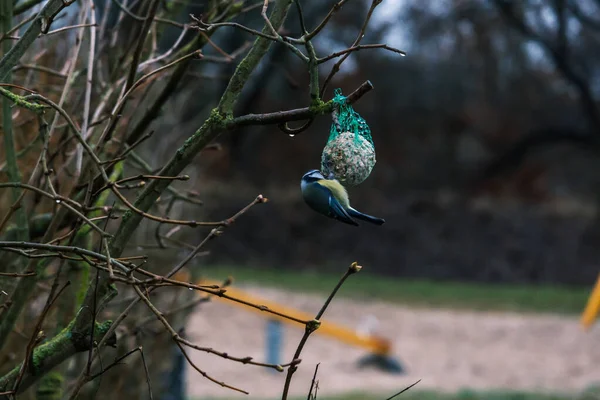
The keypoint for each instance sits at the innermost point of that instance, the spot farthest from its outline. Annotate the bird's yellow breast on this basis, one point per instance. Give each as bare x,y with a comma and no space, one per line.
338,191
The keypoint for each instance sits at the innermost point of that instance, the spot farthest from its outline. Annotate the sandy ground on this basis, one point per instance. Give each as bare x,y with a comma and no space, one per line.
448,350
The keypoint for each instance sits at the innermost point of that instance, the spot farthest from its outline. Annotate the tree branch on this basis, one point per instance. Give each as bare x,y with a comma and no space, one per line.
52,353
40,24
250,62
588,104
313,325
299,114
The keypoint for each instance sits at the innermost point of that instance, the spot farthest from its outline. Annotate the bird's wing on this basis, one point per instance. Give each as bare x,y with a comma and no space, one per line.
338,212
369,218
338,190
320,199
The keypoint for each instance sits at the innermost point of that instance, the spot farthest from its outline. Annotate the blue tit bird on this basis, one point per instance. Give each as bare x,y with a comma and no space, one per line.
329,197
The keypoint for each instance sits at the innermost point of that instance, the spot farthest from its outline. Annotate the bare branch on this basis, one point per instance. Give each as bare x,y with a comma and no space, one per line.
508,9
313,325
403,390
118,362
360,47
41,24
299,114
61,249
323,23
37,336
360,36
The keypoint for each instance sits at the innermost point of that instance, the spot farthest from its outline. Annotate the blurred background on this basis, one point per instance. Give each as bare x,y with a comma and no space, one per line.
486,140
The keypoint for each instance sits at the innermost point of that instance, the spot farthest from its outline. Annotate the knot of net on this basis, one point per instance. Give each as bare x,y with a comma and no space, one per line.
345,119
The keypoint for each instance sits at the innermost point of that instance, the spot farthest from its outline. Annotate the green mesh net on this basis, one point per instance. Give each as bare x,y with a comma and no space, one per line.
345,119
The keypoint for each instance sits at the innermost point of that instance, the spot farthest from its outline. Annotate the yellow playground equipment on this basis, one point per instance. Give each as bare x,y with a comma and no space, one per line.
593,306
379,348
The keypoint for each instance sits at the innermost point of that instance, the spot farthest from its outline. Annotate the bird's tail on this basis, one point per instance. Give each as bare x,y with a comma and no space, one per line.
365,217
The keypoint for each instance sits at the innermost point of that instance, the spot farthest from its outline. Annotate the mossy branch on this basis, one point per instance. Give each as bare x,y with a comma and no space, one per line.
21,102
40,24
299,114
25,6
52,353
249,63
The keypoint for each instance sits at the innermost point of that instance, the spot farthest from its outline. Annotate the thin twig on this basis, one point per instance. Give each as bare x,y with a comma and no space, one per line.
62,249
66,28
361,47
313,383
66,202
263,14
121,103
318,29
78,136
12,209
313,325
204,374
40,68
118,361
17,275
335,69
275,37
298,114
205,27
168,52
140,18
403,390
140,178
35,336
190,223
140,44
88,84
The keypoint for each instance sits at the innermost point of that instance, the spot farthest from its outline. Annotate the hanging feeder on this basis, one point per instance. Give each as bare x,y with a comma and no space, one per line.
349,155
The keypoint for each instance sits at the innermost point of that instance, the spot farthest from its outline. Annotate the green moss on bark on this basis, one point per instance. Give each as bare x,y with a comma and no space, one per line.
53,352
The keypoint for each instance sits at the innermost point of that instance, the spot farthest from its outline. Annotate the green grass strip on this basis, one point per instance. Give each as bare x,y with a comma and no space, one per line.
423,293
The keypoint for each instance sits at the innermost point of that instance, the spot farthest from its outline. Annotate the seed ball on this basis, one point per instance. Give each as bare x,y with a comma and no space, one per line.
349,158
